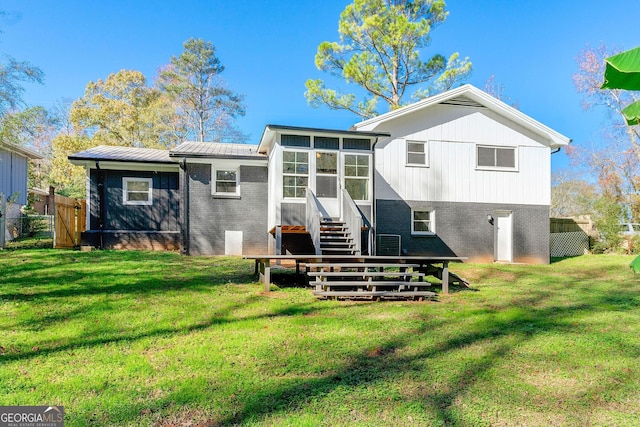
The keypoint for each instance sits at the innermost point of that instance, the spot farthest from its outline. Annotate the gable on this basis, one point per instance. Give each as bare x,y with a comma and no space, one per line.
462,123
467,96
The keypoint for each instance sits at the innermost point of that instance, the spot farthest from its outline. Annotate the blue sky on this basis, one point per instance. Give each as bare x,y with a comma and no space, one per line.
268,48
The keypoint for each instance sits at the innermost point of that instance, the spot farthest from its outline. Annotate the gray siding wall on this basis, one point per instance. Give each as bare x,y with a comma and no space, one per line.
13,176
162,215
462,229
210,217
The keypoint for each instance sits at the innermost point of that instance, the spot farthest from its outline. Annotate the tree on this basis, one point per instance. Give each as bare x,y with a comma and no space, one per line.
13,74
379,51
123,110
205,106
120,111
570,195
34,128
615,159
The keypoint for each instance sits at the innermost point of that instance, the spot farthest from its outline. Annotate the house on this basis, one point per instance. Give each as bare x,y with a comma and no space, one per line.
457,174
14,161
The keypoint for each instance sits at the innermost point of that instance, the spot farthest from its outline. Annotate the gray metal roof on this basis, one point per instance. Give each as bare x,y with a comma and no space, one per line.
216,150
123,154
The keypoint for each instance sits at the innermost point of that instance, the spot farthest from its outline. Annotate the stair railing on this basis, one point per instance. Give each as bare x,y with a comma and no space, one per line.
352,220
313,218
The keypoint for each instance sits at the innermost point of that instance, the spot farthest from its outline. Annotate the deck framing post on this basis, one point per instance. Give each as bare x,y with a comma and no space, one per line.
445,277
265,273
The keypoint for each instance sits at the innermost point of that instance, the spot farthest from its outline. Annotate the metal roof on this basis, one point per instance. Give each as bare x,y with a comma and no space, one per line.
123,154
216,150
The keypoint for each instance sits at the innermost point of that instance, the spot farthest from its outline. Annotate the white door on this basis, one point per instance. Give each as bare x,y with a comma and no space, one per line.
326,178
503,237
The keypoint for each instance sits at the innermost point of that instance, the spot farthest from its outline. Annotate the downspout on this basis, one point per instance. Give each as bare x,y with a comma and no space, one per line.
184,208
101,191
374,224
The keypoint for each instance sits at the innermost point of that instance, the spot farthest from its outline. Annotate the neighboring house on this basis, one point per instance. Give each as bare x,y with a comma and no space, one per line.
14,165
457,174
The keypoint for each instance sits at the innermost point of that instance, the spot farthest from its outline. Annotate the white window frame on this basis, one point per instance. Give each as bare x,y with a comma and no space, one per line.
432,222
286,174
333,175
368,178
214,181
498,168
125,191
425,145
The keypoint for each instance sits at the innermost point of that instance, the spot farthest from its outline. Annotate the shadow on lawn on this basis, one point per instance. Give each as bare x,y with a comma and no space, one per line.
388,361
540,311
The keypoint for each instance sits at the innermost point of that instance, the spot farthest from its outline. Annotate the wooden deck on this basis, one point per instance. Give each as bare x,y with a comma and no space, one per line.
354,276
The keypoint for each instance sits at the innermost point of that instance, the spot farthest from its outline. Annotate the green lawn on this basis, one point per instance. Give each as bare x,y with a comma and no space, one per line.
142,339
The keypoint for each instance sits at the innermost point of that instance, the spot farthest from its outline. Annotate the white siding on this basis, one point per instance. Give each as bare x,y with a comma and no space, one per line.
453,134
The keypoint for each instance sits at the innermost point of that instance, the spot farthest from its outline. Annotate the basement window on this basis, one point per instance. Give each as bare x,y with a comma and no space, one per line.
423,222
137,191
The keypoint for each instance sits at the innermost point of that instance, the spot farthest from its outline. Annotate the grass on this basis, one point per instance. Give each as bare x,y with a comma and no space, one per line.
143,338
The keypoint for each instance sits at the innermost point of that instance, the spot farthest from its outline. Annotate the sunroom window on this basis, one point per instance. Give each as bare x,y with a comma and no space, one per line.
356,176
326,174
295,171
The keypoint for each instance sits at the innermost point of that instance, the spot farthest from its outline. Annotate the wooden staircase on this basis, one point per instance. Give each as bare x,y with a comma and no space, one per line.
357,280
336,238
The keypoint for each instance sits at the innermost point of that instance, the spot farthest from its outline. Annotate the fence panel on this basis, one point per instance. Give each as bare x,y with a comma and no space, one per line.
571,243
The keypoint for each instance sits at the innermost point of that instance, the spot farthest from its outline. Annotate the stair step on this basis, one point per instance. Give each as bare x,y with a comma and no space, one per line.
326,244
359,265
365,273
385,294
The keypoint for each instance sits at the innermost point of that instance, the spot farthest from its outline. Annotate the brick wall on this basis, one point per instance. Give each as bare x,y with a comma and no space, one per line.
210,216
462,229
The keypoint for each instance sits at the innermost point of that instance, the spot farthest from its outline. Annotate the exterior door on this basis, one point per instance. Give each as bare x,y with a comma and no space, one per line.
326,178
503,236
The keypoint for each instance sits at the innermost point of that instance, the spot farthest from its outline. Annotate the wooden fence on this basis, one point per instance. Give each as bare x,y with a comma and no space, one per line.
71,220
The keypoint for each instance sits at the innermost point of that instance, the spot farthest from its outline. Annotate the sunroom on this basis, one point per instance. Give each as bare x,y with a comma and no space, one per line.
321,187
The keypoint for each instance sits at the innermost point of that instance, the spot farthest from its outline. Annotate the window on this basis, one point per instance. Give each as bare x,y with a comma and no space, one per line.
137,191
295,140
356,144
295,171
423,222
226,183
326,174
356,176
496,157
417,153
326,143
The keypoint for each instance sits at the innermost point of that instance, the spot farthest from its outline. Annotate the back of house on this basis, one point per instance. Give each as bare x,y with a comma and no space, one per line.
457,174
